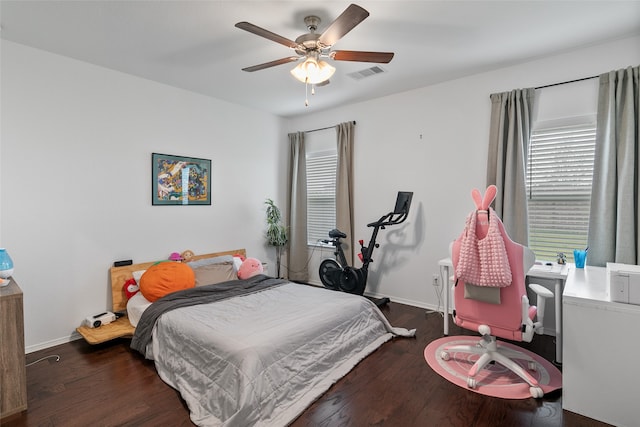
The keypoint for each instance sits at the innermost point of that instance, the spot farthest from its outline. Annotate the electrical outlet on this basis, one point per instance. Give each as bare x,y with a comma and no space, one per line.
436,279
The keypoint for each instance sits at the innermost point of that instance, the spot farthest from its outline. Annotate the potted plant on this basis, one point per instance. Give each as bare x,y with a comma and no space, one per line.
276,231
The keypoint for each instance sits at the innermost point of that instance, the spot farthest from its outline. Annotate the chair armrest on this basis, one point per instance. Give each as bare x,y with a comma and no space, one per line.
541,291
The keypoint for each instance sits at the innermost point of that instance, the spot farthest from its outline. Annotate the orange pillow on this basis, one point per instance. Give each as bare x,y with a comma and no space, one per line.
164,278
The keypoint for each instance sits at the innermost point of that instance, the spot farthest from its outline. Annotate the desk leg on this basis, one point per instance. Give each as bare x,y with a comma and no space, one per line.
558,305
444,280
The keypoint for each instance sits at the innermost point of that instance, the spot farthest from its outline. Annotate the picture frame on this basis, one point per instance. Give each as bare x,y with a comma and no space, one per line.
180,180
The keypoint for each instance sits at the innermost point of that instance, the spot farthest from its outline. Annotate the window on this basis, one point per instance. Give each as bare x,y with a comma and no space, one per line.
321,194
559,175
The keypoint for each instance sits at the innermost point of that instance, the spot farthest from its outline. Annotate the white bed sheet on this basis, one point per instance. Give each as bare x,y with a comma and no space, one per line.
261,359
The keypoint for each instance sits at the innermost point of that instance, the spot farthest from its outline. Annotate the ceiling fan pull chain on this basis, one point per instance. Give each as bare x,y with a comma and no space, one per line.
306,92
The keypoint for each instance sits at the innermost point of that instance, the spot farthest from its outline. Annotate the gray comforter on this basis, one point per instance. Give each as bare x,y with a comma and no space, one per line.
263,356
194,296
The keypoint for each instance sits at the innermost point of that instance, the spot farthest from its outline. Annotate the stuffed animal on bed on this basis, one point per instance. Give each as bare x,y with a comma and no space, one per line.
249,268
187,255
165,277
130,288
175,256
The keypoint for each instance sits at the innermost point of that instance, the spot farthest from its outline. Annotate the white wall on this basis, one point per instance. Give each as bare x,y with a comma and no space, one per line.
76,142
433,141
76,180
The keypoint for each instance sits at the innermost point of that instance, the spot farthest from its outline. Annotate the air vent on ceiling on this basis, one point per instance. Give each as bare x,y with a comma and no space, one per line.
367,72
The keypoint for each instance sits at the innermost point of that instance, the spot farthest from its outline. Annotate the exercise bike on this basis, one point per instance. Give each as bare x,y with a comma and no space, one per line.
337,274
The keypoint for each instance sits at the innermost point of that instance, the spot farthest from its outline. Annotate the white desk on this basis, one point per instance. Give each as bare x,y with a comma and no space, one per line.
599,376
556,272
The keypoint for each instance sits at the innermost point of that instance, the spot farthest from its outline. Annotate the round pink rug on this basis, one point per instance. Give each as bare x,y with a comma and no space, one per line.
494,380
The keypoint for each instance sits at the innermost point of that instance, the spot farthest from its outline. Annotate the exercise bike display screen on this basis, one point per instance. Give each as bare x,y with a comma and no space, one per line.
403,202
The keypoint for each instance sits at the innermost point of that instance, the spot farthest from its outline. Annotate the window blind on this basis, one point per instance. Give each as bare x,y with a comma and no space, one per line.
559,176
321,195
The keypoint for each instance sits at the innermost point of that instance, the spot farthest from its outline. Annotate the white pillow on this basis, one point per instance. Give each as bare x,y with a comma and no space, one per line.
237,262
136,305
137,275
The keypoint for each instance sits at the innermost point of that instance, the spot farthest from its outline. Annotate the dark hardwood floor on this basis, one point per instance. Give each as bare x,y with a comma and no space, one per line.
112,385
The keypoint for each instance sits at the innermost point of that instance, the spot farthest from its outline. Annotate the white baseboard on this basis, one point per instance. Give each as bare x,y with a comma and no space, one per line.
413,303
47,344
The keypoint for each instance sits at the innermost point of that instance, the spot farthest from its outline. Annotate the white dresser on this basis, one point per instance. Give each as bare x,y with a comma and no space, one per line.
601,347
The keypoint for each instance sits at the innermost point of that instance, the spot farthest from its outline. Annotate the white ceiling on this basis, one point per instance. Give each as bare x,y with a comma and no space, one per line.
194,45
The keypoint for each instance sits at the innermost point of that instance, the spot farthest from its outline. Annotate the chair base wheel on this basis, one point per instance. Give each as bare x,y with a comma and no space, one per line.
536,392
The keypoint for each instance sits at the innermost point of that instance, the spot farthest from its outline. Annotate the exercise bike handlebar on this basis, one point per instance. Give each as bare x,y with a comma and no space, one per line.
389,219
384,221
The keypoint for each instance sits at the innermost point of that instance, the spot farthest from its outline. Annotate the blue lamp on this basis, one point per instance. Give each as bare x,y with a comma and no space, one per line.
6,264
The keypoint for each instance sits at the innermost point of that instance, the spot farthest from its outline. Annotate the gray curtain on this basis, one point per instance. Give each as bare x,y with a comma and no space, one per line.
614,218
297,208
509,137
344,186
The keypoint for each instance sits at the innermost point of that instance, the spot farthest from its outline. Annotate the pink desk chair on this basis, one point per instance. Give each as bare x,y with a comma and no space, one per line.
496,305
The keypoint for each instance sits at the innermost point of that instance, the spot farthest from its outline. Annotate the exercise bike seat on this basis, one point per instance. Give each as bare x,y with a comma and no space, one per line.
335,233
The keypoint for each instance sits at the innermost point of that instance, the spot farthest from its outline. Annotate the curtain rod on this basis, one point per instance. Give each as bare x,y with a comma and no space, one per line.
567,82
564,83
328,127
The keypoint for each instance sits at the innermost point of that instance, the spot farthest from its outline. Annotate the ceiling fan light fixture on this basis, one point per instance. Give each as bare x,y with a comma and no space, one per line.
312,71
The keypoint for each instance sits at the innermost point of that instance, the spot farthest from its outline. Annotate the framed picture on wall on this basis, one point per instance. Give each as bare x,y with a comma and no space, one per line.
179,180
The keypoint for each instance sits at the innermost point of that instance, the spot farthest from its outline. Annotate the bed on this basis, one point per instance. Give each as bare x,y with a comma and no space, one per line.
257,351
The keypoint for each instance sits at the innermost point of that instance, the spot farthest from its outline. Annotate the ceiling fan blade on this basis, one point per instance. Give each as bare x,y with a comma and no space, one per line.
360,56
352,16
271,64
266,34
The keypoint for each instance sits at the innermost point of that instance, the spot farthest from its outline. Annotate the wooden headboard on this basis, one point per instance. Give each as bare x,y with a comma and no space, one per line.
119,275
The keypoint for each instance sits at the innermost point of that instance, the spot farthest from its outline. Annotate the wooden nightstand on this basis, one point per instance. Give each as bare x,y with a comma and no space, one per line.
13,371
121,328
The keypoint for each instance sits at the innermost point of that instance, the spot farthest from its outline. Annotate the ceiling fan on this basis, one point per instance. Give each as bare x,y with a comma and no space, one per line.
313,47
